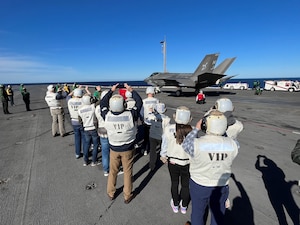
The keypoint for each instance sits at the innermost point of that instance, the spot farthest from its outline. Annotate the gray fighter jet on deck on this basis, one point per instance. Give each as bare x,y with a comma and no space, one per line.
204,76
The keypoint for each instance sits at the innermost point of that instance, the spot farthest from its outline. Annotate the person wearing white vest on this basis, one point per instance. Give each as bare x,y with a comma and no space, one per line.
211,157
74,100
149,104
178,160
225,106
54,101
158,122
121,131
102,133
86,115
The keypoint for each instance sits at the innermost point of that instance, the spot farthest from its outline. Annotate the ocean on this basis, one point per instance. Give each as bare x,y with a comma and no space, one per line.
142,83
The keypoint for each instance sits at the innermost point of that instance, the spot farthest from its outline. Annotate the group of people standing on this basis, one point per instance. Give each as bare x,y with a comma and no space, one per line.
199,158
7,95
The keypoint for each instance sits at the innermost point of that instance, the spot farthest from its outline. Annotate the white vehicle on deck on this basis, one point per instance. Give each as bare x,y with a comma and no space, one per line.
236,86
282,85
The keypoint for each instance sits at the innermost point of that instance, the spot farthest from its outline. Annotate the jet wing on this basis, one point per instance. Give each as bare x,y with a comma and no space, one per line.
208,79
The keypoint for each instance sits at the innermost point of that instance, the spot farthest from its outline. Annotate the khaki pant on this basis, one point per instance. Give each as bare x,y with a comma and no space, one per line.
58,121
116,160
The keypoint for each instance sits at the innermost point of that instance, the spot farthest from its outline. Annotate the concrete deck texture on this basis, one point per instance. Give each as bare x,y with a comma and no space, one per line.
41,182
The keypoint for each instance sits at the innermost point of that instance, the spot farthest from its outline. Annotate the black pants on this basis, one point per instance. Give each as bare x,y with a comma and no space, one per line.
180,172
153,155
5,107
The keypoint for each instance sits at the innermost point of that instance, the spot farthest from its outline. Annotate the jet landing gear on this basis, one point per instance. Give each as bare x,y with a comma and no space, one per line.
178,92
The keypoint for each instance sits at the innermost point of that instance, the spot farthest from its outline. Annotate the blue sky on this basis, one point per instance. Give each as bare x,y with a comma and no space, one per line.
110,40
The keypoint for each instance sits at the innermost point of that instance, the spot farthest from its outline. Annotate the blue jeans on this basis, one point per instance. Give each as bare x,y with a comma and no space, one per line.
105,153
79,138
203,196
90,136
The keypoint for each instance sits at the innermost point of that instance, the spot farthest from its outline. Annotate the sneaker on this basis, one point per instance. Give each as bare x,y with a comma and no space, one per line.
85,164
105,174
95,163
145,152
175,208
182,209
227,203
120,172
77,156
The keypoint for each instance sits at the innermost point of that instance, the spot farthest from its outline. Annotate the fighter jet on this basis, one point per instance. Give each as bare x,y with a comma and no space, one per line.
204,76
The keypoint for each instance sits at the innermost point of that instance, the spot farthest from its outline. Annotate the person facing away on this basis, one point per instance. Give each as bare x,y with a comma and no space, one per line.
54,101
87,117
4,99
26,98
74,101
211,157
200,98
148,106
97,95
225,106
130,102
177,159
102,133
121,131
10,94
158,122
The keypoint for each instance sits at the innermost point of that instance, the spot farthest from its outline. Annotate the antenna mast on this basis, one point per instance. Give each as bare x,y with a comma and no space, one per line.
164,51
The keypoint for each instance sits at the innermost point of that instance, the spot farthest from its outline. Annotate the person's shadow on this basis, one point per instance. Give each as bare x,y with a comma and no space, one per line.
279,191
241,211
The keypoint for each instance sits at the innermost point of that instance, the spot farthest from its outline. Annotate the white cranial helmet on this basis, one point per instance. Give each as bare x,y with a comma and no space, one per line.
116,103
216,123
78,92
86,100
161,107
103,93
128,94
150,90
224,105
50,87
182,115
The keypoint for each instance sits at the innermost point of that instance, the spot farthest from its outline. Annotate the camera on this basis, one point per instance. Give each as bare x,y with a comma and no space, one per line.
121,86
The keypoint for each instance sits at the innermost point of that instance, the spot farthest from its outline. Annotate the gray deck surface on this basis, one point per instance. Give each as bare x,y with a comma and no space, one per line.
41,182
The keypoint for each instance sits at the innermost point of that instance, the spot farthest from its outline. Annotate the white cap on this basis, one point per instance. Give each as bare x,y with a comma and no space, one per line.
160,107
150,90
78,92
50,87
86,100
116,103
182,115
128,94
224,105
216,123
103,93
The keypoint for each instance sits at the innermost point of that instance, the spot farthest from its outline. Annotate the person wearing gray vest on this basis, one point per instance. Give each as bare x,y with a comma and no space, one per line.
211,157
54,101
121,131
177,159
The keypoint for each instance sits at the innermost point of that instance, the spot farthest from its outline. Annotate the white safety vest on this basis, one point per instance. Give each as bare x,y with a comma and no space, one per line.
87,114
120,128
148,107
51,100
213,156
175,152
73,105
234,129
130,102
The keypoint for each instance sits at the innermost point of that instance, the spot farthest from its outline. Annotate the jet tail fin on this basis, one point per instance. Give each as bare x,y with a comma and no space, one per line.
206,66
222,67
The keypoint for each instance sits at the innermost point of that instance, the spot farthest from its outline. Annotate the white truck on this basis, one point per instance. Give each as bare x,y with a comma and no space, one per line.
236,86
282,85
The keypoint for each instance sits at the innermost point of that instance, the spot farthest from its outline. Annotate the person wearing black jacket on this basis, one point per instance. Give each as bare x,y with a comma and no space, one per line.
4,99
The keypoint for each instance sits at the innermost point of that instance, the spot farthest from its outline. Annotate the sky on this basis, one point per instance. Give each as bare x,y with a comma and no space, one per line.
111,40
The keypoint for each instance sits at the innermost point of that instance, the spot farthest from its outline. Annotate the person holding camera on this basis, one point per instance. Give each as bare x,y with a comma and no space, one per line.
54,102
178,162
121,131
211,157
